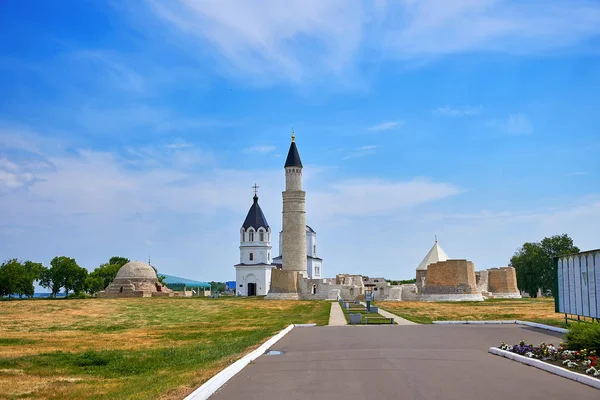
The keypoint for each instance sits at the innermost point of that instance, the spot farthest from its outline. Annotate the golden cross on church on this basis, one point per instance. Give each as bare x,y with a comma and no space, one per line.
255,187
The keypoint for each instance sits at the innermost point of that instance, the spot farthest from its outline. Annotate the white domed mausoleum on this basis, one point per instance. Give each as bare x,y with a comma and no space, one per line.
253,273
135,279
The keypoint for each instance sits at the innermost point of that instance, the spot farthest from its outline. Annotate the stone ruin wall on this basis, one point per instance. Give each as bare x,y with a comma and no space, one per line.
421,273
451,277
481,280
283,281
409,292
502,282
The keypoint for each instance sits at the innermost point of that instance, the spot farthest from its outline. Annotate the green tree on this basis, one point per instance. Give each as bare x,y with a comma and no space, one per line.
120,261
94,283
17,277
64,273
75,278
534,263
33,272
217,286
102,276
12,274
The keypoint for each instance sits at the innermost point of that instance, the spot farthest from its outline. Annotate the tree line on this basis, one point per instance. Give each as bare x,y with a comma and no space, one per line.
534,263
17,277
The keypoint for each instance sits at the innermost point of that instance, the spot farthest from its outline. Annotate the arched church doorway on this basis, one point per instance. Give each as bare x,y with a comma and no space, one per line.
252,289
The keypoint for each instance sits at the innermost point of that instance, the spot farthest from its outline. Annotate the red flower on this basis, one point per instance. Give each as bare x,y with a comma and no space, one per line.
594,360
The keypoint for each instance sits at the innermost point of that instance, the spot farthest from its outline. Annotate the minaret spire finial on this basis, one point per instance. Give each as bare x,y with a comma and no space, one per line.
435,238
255,187
293,136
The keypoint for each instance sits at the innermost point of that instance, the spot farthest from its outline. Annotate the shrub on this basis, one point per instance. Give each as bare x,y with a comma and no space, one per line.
583,336
80,295
90,358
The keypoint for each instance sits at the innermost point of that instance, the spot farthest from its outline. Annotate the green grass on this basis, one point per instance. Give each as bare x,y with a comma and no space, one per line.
374,318
133,348
15,341
535,310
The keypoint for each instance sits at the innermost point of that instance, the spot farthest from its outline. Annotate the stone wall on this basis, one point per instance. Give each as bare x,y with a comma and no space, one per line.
481,280
421,275
450,277
502,282
409,292
283,281
293,234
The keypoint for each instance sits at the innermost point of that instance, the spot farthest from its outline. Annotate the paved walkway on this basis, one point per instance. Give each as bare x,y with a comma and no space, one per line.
336,315
399,320
423,362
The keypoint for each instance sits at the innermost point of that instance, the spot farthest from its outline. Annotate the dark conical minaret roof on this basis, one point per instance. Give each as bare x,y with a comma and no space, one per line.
293,158
255,218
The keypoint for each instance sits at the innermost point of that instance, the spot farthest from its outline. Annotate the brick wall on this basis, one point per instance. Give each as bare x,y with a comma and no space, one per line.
451,277
502,280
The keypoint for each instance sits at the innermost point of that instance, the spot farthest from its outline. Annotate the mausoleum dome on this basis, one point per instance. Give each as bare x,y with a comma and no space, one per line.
136,270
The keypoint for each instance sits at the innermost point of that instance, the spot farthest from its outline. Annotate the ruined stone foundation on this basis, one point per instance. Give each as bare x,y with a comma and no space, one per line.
284,285
451,280
502,283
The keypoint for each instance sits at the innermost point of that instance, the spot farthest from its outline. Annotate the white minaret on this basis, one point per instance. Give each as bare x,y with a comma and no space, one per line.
293,237
253,273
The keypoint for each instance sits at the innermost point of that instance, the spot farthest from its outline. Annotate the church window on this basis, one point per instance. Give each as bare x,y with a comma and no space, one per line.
314,289
315,249
317,271
251,236
262,236
251,256
269,256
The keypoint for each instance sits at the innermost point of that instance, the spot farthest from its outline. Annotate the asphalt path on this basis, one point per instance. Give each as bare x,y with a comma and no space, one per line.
413,362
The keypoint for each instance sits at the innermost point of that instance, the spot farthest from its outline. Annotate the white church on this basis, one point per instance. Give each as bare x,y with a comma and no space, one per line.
253,273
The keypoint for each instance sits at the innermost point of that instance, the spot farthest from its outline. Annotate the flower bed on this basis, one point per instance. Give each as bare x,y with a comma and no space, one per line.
582,361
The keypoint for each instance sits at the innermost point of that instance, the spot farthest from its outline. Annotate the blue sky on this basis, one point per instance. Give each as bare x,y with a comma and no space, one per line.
139,127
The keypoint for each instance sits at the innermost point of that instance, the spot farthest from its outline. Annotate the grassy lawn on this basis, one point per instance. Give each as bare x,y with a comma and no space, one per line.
535,310
155,348
374,318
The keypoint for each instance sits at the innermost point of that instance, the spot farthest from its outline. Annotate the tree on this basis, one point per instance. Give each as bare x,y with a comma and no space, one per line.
17,277
120,261
33,272
534,263
102,276
217,286
64,273
12,273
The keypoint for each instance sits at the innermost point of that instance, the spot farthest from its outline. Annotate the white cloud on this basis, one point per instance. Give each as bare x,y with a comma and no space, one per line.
299,41
434,28
260,149
515,124
361,151
374,197
114,70
269,38
458,111
386,126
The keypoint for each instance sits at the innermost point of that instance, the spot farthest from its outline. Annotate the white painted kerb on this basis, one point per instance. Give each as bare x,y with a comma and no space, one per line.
527,323
215,383
553,369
